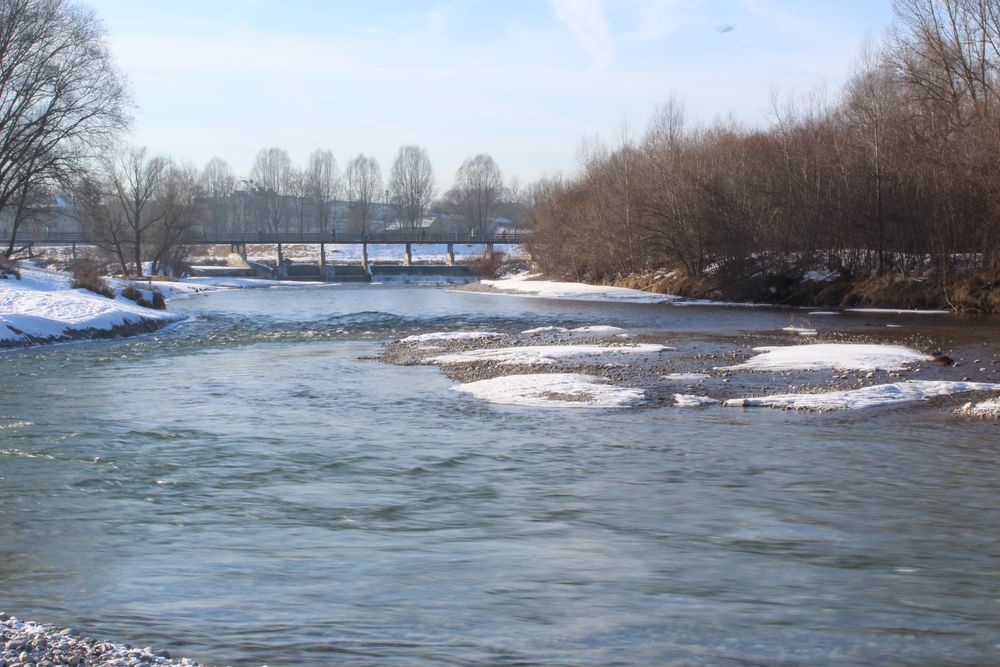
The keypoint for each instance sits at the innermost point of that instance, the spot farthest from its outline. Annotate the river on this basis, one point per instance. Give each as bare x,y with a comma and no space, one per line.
250,487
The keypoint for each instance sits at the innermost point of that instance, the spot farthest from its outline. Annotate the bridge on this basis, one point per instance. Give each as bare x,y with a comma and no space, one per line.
238,241
394,237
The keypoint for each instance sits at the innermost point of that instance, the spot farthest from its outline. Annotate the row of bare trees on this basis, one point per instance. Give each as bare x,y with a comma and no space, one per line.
899,170
64,107
140,207
278,197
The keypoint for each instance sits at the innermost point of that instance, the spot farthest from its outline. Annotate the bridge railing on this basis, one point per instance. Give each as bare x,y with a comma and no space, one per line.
233,238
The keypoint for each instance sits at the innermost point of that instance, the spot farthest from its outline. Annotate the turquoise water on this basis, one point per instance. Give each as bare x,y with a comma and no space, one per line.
251,488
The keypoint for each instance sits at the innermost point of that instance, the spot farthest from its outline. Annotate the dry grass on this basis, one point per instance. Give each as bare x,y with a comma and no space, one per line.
86,275
489,265
8,268
133,293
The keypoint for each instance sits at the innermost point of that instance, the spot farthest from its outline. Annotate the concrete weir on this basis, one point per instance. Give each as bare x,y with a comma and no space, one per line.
323,270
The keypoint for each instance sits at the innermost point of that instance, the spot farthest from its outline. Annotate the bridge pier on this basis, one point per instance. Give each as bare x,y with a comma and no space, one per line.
450,257
281,263
489,251
239,249
408,255
74,251
364,258
322,260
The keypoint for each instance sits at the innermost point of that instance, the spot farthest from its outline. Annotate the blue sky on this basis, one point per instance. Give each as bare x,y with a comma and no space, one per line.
525,81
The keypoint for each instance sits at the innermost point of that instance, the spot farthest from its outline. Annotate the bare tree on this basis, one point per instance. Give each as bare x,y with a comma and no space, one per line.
135,179
218,184
102,216
178,198
411,184
271,176
476,192
322,186
60,96
364,186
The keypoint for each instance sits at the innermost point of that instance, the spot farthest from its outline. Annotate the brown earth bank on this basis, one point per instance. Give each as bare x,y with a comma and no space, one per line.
974,292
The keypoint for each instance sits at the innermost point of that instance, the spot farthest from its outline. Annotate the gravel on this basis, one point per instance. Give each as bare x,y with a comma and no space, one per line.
696,353
28,644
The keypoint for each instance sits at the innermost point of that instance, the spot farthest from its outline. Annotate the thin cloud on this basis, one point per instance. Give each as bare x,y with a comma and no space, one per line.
588,23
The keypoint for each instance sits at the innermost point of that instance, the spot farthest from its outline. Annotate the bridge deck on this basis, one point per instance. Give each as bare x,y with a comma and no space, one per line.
242,238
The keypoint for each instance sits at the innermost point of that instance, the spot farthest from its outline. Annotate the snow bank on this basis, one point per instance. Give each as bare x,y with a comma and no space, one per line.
868,397
840,356
549,354
452,335
523,285
42,308
555,390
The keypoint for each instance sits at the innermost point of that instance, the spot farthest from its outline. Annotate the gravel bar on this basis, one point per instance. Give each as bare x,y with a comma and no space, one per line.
28,644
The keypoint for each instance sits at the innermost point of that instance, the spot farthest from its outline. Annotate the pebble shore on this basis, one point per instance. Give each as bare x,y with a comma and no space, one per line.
705,357
28,644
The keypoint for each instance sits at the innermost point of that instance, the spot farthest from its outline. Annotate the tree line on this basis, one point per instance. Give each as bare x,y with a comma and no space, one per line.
64,109
897,174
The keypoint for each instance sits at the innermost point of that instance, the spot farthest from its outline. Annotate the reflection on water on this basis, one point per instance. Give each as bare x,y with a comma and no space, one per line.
248,489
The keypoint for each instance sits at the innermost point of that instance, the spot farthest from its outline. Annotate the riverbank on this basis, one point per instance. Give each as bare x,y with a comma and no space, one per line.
973,292
29,644
39,306
817,368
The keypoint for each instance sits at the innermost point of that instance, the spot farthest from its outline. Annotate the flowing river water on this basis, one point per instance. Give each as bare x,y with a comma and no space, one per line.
251,488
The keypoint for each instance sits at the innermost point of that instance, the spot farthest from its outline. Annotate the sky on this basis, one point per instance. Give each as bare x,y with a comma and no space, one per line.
526,81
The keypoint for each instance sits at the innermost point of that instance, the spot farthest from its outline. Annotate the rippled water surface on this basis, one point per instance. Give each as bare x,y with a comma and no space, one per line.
250,488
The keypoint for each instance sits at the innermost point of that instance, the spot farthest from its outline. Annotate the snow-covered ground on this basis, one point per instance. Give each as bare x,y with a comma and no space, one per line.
41,307
554,390
549,354
868,397
840,356
524,284
451,335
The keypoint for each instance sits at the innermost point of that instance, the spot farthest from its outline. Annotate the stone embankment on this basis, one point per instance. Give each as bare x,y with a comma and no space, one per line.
27,644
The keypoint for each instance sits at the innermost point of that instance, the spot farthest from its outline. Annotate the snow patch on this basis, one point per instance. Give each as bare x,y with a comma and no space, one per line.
549,354
692,400
867,397
523,284
452,335
555,390
840,356
802,331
